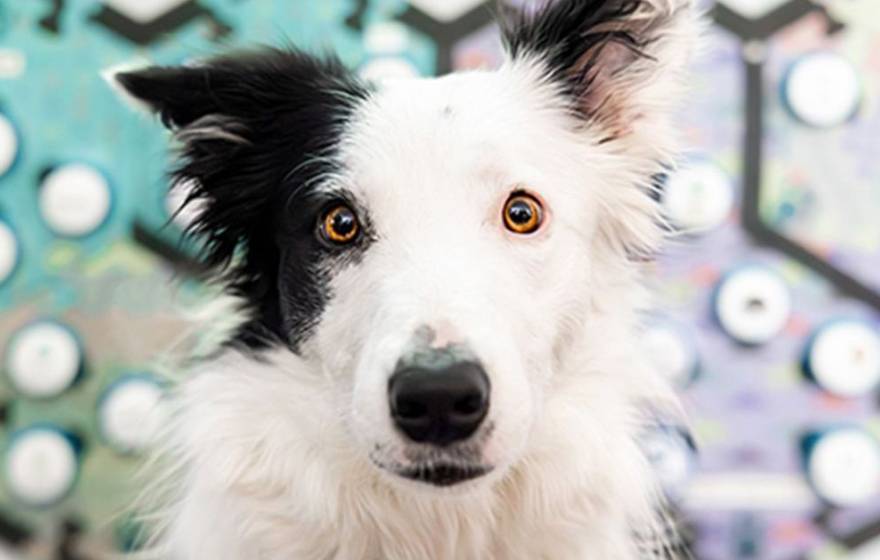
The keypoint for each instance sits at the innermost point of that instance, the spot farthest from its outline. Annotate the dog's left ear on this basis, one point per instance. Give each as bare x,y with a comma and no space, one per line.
620,61
620,66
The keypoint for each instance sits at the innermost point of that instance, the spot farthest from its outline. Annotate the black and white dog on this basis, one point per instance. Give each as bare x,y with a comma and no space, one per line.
440,282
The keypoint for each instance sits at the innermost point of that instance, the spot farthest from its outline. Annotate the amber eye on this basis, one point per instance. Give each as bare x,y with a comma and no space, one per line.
340,224
523,213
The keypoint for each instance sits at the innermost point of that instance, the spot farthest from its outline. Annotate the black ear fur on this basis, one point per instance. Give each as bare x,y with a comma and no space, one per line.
178,95
232,85
592,46
254,128
563,32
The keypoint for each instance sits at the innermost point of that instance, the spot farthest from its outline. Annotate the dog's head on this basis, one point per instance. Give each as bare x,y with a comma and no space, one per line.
434,247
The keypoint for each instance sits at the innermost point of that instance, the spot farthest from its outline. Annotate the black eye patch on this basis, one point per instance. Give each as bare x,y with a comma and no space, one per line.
307,261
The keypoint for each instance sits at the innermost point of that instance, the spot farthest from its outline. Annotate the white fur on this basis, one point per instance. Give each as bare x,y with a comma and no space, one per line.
271,458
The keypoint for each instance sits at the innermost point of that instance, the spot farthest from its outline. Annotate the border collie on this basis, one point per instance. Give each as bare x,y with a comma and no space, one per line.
440,284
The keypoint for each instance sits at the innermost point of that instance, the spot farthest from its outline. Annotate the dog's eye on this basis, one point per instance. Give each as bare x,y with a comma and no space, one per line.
339,224
523,213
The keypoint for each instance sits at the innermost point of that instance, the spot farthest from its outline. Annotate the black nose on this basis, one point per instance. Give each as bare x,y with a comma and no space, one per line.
439,405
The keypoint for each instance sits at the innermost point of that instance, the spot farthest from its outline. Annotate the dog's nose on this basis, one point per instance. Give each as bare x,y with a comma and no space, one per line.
439,406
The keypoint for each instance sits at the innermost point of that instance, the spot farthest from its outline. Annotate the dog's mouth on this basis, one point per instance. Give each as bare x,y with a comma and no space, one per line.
443,474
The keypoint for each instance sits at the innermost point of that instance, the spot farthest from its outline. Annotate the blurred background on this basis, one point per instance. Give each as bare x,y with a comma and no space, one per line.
770,324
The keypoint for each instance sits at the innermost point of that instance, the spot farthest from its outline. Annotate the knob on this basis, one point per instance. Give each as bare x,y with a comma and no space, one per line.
752,305
822,89
8,145
131,412
43,359
8,251
75,199
41,465
697,197
843,466
672,454
843,358
672,351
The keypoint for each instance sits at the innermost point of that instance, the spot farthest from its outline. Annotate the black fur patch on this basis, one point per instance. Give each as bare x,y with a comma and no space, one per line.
570,35
257,131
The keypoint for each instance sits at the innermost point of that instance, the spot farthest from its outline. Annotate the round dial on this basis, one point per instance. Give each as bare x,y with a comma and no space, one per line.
822,89
672,457
8,251
43,359
844,467
131,412
843,358
41,466
752,305
672,352
8,144
697,197
75,200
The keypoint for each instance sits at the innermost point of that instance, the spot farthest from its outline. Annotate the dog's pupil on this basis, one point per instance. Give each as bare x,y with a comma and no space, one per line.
520,212
344,222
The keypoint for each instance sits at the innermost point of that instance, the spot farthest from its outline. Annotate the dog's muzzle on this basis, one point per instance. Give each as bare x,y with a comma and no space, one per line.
438,398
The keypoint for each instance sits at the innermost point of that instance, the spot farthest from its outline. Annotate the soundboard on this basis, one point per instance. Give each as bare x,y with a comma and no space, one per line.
769,290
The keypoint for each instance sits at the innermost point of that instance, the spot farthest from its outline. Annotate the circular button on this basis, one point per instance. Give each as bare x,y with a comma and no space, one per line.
386,37
697,197
75,200
844,467
8,145
672,456
130,413
843,358
43,359
8,251
41,466
822,89
672,353
752,305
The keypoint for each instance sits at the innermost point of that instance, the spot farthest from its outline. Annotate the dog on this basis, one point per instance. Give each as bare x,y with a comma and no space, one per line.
439,286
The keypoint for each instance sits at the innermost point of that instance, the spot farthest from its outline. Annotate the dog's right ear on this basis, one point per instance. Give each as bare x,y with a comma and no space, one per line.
178,95
240,87
249,124
252,128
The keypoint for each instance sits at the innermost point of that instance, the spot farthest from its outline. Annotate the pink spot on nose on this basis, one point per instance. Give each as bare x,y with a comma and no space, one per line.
444,335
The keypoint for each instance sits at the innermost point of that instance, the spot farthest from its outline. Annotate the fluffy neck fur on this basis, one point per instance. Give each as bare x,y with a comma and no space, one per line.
256,472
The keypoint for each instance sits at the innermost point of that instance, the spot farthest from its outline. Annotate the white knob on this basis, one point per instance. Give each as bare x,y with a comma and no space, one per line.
75,200
844,358
671,456
752,305
823,89
672,352
8,144
697,197
388,68
386,38
41,466
8,251
131,412
43,359
844,467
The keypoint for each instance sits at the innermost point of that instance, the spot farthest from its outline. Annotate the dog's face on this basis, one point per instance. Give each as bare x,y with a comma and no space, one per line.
431,246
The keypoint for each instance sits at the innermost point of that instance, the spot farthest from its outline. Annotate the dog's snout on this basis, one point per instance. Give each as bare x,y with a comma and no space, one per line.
439,406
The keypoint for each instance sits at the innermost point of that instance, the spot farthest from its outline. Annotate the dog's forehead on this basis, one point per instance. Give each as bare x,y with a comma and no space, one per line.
455,131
